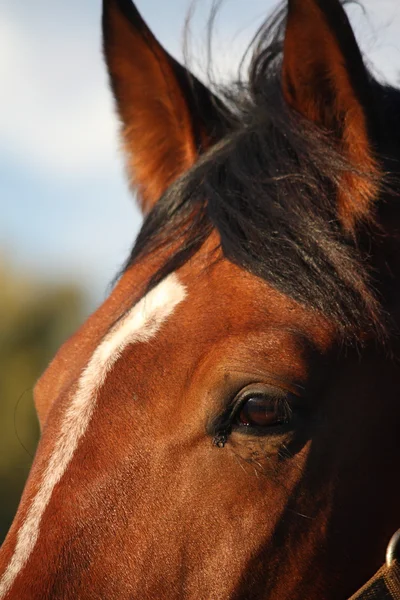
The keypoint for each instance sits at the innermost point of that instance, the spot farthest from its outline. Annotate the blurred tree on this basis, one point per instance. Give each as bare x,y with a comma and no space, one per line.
34,320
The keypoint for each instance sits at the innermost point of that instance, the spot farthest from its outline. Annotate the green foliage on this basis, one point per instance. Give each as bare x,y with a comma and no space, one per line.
34,321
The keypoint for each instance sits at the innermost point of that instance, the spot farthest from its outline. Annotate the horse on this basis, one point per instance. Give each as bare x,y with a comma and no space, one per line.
226,424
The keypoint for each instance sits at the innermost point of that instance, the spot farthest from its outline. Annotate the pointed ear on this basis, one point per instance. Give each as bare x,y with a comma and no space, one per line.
325,80
168,116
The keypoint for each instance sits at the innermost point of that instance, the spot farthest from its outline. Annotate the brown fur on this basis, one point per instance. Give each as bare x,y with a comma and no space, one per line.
149,508
206,517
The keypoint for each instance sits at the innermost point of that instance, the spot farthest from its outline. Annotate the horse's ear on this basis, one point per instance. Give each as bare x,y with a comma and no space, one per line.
168,116
325,80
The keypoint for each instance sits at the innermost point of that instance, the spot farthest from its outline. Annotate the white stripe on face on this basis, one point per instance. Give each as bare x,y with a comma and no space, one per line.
140,324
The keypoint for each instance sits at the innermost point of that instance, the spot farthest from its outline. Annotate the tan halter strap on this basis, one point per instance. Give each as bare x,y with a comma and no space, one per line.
385,584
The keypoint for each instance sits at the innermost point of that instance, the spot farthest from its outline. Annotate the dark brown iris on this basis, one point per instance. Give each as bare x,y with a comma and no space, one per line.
262,411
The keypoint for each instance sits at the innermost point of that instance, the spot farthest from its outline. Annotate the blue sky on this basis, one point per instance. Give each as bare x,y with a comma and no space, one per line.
66,209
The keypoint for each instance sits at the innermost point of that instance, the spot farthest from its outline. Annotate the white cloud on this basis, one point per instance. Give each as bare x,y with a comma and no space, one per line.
377,28
56,113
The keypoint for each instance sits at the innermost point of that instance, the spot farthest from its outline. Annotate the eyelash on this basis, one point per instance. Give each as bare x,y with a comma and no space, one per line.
227,422
224,430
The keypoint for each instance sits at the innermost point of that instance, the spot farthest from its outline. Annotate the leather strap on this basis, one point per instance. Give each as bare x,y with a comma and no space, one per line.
385,584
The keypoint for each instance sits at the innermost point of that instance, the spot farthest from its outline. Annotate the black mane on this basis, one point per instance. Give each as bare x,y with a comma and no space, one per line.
269,188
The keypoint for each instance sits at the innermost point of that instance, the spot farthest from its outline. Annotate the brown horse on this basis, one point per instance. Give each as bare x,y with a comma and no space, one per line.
226,425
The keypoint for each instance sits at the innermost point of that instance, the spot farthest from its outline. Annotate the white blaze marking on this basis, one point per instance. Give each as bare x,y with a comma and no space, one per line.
140,324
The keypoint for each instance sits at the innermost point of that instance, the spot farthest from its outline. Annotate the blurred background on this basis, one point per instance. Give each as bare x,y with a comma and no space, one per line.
67,219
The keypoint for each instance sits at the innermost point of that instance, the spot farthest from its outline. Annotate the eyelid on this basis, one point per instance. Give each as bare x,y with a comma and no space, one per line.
263,389
235,382
260,390
224,421
264,377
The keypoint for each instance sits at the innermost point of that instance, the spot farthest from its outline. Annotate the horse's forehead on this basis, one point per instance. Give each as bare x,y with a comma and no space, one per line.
221,298
227,298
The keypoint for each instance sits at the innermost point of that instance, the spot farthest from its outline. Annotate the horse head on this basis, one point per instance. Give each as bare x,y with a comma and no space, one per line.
226,424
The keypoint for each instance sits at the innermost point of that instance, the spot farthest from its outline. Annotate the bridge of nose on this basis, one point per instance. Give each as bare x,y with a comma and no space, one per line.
71,416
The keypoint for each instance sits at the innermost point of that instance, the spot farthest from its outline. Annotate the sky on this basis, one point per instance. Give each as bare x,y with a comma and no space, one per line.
66,211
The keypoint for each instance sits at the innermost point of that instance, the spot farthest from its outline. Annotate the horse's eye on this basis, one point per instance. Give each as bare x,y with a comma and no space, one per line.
262,408
262,412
